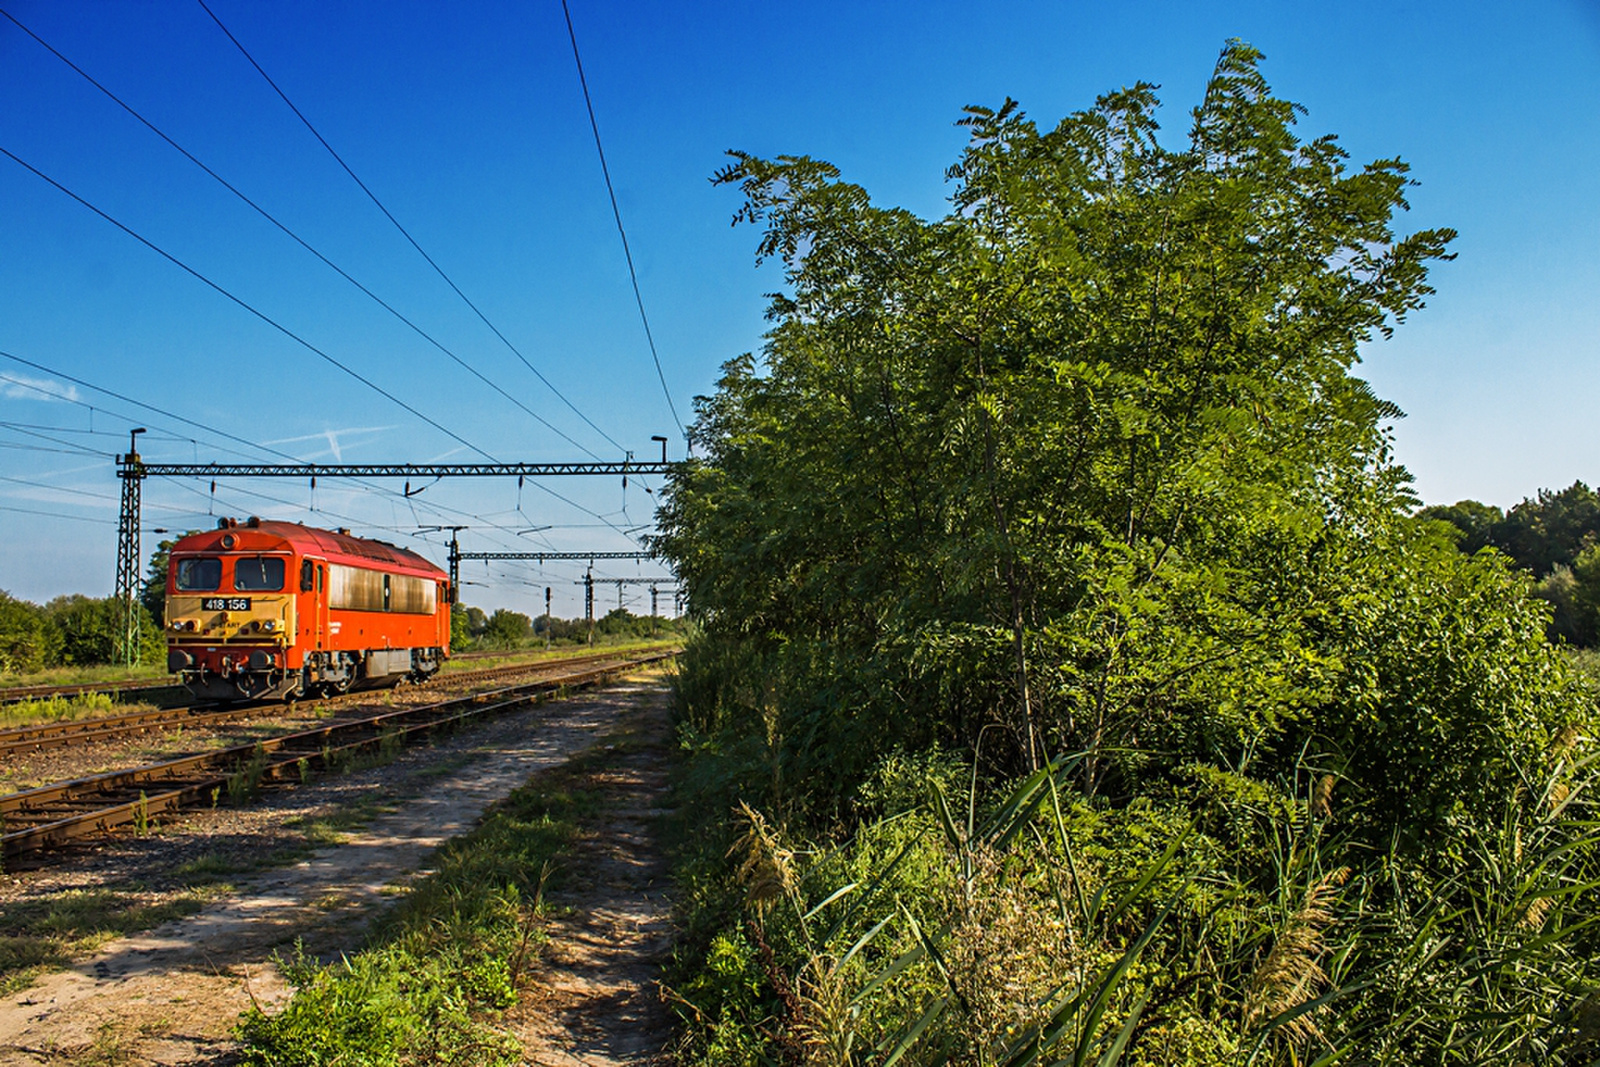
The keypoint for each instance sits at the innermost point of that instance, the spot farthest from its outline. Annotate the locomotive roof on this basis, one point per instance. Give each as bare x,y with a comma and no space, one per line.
337,547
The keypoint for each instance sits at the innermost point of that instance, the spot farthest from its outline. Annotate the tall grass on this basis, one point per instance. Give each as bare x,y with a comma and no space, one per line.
1028,926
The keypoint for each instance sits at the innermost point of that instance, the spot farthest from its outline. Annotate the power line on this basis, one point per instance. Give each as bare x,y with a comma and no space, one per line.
616,213
403,231
59,515
252,309
264,213
59,489
433,508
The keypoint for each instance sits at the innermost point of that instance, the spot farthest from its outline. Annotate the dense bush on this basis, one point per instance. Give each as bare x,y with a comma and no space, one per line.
1075,486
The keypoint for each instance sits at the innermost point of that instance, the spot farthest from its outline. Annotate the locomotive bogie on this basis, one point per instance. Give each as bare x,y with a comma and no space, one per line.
271,609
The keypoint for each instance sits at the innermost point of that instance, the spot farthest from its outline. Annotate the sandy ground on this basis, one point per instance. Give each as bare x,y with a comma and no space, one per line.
173,994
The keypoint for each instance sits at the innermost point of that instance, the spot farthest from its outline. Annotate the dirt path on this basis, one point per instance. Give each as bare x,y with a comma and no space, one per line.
171,996
596,1000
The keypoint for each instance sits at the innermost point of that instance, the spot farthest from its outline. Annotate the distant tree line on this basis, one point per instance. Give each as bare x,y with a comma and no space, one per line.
1553,535
473,628
69,631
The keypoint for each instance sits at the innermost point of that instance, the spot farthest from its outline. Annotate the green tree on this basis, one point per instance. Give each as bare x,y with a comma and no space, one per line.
1474,522
1550,528
1082,471
87,631
506,627
1083,459
27,641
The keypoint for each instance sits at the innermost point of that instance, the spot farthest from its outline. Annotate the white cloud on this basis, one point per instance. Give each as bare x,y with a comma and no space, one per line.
21,387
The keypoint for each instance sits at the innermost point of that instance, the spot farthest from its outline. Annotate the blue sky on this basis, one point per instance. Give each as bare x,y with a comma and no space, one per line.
468,122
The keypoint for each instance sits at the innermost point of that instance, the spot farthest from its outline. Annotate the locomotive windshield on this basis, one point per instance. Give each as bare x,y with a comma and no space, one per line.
199,575
264,574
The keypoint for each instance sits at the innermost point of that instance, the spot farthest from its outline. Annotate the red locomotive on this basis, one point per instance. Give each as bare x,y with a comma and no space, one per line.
275,609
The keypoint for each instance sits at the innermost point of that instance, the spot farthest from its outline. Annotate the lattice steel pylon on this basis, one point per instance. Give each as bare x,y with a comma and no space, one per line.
131,471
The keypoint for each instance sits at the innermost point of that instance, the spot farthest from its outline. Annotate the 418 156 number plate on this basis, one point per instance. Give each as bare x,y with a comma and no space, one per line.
225,603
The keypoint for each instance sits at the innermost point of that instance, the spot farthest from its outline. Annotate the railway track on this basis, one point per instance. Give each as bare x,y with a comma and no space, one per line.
53,815
42,736
134,689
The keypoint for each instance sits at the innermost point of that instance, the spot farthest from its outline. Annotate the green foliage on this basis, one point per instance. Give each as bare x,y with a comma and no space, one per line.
88,628
1474,523
460,635
1555,535
1077,482
27,640
1043,926
505,628
70,631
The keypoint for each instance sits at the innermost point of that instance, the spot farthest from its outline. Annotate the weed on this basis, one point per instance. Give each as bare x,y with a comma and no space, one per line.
303,765
141,815
244,782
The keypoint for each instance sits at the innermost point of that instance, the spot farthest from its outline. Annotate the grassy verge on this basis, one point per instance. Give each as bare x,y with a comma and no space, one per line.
449,957
99,674
64,709
538,653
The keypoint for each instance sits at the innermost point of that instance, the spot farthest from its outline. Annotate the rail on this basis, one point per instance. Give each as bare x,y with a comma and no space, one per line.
54,815
41,736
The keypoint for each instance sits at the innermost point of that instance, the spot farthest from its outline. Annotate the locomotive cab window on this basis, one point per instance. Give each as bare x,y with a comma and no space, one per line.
199,575
263,574
307,576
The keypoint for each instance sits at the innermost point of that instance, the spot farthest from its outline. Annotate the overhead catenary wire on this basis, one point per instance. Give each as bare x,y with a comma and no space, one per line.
403,231
264,213
481,521
264,317
246,305
616,213
439,509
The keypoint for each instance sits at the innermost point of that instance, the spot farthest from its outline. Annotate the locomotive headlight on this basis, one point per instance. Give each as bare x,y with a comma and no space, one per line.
270,625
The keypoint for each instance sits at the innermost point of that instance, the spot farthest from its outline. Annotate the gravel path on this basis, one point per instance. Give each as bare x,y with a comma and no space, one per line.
171,995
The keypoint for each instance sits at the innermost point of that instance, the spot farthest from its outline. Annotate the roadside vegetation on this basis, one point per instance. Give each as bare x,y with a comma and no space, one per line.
1073,678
